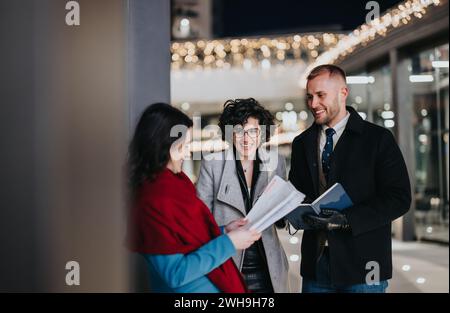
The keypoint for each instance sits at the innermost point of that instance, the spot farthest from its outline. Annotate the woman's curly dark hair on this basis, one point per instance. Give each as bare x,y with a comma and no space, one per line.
237,112
149,150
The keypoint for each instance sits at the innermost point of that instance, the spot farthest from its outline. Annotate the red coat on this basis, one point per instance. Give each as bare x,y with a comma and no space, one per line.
169,218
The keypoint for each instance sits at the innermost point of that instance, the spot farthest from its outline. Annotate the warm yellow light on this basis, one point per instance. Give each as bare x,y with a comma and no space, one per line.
280,55
182,52
235,49
363,35
226,52
201,44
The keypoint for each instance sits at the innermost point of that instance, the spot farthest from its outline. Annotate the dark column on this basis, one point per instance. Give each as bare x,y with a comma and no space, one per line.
18,241
148,54
148,78
69,99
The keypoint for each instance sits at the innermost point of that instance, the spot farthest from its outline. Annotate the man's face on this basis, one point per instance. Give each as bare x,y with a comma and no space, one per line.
326,99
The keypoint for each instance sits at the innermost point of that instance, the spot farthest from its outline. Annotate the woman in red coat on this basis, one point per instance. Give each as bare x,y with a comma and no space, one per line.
186,251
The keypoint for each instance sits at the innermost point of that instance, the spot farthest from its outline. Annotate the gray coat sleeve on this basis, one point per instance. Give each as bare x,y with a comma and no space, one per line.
205,184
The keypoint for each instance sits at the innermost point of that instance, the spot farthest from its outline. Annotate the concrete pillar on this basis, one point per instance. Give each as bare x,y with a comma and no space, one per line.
70,97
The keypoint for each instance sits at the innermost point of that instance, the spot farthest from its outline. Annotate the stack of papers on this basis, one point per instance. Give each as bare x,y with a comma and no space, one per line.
281,198
278,199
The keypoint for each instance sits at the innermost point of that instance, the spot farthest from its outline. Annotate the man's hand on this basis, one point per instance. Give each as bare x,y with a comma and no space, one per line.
327,220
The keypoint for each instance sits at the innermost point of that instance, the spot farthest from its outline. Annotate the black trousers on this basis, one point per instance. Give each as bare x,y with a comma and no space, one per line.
255,270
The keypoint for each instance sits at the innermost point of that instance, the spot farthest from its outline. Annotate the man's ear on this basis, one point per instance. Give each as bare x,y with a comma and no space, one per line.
344,93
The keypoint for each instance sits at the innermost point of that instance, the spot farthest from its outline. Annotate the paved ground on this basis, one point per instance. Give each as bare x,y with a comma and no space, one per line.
418,267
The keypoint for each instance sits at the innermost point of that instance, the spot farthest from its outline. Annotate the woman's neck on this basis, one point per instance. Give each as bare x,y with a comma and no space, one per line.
250,158
171,167
246,158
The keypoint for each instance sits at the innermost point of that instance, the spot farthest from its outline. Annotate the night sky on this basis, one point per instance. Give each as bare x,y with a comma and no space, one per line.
259,17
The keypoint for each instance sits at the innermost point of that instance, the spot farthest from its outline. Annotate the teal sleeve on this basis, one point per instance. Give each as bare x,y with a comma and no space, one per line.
181,269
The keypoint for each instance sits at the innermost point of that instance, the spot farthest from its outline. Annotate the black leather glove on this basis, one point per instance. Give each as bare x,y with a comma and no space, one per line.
307,200
281,223
327,220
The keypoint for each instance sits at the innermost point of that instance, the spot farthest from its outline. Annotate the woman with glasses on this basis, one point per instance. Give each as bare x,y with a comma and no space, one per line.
231,181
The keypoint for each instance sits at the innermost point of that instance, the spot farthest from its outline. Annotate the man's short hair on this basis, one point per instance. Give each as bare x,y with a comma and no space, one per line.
331,69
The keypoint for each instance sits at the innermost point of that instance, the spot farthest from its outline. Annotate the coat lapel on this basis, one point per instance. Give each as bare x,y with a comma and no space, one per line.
267,169
311,150
229,188
346,142
261,183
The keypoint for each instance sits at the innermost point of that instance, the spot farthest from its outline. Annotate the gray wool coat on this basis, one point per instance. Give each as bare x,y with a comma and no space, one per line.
218,186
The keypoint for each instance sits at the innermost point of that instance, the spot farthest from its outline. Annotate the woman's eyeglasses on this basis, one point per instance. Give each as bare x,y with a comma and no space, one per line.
252,132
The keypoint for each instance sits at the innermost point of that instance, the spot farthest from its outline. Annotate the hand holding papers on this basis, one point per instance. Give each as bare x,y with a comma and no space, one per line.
278,199
335,198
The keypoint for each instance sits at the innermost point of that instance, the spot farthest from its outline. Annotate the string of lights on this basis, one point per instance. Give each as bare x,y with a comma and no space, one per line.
313,49
406,12
251,52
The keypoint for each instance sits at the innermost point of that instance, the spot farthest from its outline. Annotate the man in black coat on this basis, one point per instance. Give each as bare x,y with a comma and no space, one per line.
350,250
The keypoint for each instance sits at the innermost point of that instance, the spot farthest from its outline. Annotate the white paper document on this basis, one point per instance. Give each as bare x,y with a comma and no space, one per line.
278,199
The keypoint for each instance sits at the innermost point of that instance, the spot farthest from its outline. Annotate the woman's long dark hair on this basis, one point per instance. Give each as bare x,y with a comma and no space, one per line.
149,149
